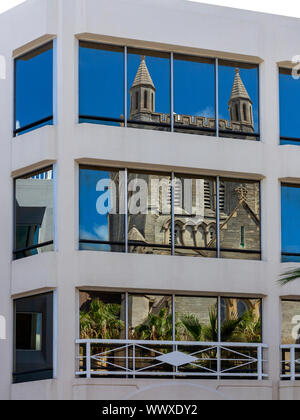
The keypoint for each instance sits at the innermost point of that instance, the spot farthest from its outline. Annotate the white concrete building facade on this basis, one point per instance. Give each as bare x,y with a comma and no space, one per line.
70,144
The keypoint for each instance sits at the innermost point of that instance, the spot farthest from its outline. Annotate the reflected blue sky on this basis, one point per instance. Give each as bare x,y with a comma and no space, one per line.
289,90
290,221
101,83
194,88
159,69
34,88
250,80
92,225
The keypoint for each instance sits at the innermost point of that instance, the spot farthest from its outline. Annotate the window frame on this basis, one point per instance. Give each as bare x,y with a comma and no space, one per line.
50,118
171,126
33,247
287,71
173,174
48,350
283,253
173,296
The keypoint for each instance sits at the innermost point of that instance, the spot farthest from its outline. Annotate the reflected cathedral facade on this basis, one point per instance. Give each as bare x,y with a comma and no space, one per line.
195,233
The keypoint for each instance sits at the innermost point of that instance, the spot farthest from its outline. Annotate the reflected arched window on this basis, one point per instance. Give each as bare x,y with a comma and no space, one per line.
245,112
145,99
211,233
237,112
200,237
136,100
189,236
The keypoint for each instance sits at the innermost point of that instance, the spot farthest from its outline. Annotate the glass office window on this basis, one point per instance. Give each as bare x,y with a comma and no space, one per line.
195,216
196,318
240,219
101,84
102,315
148,96
101,209
149,213
289,91
290,310
241,320
194,95
34,195
34,89
150,317
33,345
290,223
238,100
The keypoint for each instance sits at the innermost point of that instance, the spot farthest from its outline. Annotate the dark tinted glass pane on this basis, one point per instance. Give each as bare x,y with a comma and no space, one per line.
149,213
34,88
238,100
29,327
290,223
101,83
101,210
34,213
102,315
33,349
241,320
196,318
148,90
289,91
194,95
195,216
240,219
150,317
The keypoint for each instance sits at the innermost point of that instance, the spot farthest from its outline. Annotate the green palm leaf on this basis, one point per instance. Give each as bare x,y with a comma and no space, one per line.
289,276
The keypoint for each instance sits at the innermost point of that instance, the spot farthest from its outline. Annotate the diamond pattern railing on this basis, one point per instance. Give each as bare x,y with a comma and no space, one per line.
130,358
290,363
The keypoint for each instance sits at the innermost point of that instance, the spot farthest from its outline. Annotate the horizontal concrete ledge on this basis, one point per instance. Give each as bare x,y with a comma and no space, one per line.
158,46
34,150
159,389
139,148
166,273
35,273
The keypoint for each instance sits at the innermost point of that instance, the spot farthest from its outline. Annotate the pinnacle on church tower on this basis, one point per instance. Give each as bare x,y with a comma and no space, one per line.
142,92
240,105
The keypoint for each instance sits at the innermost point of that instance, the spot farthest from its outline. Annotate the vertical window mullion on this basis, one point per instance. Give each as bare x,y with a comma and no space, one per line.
55,82
219,320
126,208
172,91
173,318
173,213
125,87
218,216
217,95
126,316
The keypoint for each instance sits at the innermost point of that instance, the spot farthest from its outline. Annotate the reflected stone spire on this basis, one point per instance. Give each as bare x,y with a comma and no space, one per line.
238,89
142,94
143,76
240,106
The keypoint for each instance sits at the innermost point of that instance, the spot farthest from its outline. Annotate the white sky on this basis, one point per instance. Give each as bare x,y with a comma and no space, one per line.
286,7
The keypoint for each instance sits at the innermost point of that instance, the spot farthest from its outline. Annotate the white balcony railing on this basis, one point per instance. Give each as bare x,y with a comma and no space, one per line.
128,358
290,362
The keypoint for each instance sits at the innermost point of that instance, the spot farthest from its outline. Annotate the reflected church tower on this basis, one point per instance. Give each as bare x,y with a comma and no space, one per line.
142,94
142,106
239,205
240,106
